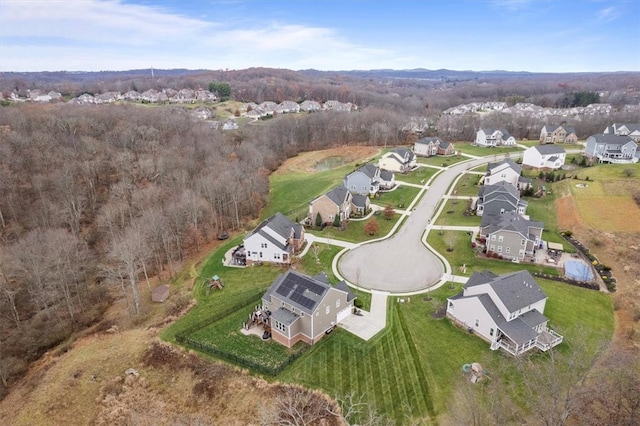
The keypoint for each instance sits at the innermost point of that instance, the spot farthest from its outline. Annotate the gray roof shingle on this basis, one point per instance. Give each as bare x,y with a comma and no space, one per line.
550,149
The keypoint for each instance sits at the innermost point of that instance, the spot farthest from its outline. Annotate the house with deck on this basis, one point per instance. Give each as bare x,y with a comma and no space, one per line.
511,235
488,137
612,148
544,157
505,310
304,308
558,134
275,240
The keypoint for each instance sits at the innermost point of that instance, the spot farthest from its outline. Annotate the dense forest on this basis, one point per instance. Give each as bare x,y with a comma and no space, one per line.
97,198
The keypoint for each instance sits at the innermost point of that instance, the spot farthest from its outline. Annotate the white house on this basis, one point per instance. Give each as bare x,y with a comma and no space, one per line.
494,137
506,170
547,157
505,310
275,240
626,129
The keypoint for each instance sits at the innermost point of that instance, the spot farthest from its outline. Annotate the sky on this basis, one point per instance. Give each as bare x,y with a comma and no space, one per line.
478,35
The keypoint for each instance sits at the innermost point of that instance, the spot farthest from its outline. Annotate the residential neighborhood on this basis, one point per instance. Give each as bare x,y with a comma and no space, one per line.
544,157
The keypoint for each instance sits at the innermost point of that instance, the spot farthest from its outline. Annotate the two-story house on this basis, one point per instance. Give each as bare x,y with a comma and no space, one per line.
544,157
364,181
625,129
335,203
400,160
494,137
612,148
498,199
275,240
552,133
508,171
511,235
505,310
304,308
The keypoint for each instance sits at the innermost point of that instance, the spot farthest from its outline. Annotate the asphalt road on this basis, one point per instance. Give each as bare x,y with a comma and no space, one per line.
402,264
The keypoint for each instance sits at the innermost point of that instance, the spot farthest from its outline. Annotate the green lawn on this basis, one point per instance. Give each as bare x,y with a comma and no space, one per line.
354,232
419,176
440,161
399,198
480,151
543,210
410,370
463,254
453,214
468,185
609,171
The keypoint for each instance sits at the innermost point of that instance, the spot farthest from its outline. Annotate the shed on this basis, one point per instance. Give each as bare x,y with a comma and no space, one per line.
160,293
555,246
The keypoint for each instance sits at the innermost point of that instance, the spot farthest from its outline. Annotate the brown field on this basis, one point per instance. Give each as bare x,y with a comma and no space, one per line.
610,213
307,161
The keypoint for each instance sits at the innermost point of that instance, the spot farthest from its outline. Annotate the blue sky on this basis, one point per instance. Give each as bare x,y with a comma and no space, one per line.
514,35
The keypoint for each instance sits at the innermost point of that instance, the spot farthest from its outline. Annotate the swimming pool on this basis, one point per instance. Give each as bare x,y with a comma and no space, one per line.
578,270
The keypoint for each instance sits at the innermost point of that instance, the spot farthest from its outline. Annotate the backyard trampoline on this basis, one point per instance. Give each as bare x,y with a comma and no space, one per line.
578,270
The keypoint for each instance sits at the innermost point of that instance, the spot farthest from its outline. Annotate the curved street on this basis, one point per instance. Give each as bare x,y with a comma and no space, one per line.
402,263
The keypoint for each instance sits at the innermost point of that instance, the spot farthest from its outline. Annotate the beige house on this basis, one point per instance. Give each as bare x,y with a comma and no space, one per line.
337,202
558,134
304,308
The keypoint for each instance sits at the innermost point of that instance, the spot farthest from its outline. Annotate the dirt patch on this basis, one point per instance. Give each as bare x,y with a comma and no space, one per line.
610,213
309,162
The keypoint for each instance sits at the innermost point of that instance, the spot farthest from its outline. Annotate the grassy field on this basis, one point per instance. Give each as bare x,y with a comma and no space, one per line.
290,193
543,210
400,197
419,176
409,371
453,214
440,161
467,185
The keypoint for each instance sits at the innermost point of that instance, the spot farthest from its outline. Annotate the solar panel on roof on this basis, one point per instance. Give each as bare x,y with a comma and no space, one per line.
285,288
315,288
302,300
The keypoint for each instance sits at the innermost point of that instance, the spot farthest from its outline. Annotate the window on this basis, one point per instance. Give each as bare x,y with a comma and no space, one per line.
499,249
260,254
477,323
279,326
507,249
337,303
522,241
493,238
491,332
327,310
263,245
500,239
492,248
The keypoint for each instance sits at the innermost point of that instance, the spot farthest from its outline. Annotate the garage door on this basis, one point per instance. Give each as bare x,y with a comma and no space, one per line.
344,313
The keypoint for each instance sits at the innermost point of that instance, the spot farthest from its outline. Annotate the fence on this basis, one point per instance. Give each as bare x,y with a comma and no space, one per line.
184,338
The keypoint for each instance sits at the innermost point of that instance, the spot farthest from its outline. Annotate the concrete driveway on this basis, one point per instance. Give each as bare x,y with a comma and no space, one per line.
402,263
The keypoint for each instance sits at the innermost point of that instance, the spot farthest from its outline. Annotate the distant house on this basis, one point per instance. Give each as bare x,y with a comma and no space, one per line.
612,148
511,235
364,180
337,202
275,240
287,107
359,205
446,148
494,137
508,171
400,160
631,130
544,157
230,124
505,310
557,134
499,199
305,308
310,106
268,107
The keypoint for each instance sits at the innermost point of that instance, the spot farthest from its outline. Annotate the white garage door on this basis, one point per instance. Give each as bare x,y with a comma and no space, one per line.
344,313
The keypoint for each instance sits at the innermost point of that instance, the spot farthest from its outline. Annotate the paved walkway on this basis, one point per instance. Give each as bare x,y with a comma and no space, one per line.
368,324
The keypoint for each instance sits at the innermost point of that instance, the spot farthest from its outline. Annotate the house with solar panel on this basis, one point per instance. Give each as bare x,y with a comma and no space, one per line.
505,310
304,308
275,240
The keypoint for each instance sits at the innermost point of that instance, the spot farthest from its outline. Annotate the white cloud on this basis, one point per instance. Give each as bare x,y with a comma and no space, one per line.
608,14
